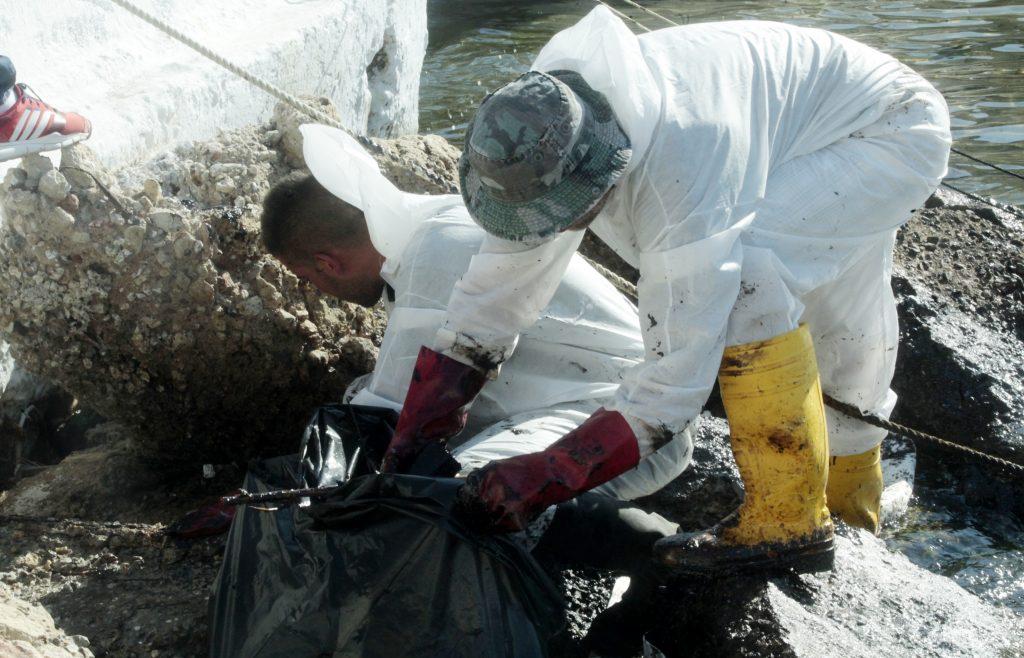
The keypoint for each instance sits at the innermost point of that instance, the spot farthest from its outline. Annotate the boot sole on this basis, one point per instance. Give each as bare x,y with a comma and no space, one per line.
811,558
12,150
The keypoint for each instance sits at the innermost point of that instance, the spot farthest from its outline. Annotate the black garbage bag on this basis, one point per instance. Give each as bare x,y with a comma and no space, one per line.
381,568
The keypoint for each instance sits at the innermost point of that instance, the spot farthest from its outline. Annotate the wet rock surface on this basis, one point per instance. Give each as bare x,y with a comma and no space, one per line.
960,367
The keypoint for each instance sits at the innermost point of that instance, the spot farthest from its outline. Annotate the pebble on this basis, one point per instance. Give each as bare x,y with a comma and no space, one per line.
167,221
53,184
151,188
35,165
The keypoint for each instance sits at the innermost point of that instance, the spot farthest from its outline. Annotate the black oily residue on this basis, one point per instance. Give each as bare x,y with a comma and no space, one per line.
485,358
661,436
654,323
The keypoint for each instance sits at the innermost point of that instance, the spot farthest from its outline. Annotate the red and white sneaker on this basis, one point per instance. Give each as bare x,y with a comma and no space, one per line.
31,126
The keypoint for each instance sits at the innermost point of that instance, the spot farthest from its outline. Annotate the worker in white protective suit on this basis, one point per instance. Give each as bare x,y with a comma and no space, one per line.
351,233
756,174
410,250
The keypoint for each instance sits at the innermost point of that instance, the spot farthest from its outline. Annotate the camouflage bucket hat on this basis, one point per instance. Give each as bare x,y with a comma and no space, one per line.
540,152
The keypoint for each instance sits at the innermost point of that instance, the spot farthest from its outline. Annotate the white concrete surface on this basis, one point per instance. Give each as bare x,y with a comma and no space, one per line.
145,92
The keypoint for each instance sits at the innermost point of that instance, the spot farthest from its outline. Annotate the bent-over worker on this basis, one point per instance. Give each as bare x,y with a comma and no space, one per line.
755,173
353,235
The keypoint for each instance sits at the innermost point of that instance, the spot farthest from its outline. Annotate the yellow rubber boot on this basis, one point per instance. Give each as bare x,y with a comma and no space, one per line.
772,400
855,488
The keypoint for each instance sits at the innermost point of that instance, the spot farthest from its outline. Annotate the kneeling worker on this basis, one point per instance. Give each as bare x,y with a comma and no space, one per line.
352,234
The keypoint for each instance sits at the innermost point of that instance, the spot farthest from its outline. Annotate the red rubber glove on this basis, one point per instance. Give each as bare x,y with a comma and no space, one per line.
508,493
435,408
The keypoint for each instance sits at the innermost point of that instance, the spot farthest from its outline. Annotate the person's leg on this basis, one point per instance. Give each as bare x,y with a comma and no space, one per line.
831,217
8,76
28,125
856,339
595,531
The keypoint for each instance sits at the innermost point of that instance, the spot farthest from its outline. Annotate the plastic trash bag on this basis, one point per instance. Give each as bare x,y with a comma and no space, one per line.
378,569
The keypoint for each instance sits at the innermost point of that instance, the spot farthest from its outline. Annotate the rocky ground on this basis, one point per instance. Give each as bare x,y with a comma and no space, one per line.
151,298
96,270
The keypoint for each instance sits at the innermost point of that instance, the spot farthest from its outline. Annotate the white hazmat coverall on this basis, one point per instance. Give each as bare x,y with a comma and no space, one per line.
569,362
566,366
771,168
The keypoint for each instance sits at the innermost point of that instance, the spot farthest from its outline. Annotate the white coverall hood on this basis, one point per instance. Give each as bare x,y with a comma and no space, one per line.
603,50
346,170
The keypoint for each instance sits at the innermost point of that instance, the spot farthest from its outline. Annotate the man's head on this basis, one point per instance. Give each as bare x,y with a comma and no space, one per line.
541,155
322,239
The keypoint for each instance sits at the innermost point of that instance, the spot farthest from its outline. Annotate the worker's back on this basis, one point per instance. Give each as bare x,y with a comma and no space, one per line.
585,337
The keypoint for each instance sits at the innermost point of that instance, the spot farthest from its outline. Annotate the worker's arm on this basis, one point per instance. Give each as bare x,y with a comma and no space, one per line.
503,292
686,296
507,286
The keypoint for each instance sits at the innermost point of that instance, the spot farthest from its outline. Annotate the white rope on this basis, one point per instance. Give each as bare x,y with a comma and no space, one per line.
623,15
266,86
651,12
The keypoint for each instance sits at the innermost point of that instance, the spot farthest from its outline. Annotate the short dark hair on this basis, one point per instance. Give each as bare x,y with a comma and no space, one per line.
301,218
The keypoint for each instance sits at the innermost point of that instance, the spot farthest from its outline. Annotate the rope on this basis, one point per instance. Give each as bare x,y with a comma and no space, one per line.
626,16
987,164
275,91
621,284
651,12
628,289
998,206
909,432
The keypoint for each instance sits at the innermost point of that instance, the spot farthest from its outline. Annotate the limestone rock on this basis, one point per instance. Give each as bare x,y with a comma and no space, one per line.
171,318
27,631
54,185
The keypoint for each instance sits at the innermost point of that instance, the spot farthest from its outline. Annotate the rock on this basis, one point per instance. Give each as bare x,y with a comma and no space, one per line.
54,185
426,164
873,598
135,237
167,221
103,311
34,166
151,188
70,204
27,630
287,121
202,292
14,178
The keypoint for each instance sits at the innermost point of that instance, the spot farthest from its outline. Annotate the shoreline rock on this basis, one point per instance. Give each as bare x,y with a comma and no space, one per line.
170,317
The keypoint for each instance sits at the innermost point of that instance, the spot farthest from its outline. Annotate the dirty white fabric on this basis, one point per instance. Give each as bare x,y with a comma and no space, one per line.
772,165
568,363
586,336
346,170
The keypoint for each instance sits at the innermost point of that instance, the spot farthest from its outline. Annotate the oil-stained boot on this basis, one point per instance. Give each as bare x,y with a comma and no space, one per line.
772,399
855,488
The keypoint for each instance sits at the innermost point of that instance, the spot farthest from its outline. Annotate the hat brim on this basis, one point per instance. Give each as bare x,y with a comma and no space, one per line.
572,197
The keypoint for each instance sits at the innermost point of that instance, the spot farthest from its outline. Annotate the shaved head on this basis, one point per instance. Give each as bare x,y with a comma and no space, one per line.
301,218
